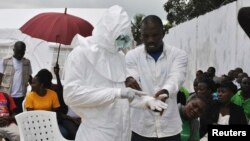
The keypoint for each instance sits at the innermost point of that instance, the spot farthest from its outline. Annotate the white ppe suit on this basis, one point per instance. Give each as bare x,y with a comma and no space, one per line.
94,75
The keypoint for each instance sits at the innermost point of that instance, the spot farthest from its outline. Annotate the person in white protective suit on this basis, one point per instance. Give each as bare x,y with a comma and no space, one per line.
95,81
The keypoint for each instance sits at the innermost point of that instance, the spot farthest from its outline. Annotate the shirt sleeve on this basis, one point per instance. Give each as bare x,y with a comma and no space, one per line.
131,66
77,91
28,101
55,100
177,74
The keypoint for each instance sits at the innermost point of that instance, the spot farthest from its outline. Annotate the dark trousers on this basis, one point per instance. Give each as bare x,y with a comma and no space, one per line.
18,102
71,128
136,137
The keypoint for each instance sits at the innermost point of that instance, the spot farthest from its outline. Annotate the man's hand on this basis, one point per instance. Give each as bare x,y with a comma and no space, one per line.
162,95
132,83
156,105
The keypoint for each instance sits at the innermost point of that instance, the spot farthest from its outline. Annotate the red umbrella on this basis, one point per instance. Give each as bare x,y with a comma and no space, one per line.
57,27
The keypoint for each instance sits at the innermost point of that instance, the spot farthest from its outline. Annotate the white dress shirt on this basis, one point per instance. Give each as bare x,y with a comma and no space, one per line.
167,73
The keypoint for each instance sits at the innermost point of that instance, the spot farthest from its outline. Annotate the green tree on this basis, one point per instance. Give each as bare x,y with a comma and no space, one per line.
182,10
167,26
135,28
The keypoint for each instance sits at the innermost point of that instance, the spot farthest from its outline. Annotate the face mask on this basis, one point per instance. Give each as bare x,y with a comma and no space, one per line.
123,41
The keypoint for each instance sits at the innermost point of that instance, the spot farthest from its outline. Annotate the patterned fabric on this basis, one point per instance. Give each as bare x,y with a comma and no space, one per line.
4,111
9,73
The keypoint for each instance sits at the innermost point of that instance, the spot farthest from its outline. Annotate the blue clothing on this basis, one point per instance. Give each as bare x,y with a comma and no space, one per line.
155,55
215,96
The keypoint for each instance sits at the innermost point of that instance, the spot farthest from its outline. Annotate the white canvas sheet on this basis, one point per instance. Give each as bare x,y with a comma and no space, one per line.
214,39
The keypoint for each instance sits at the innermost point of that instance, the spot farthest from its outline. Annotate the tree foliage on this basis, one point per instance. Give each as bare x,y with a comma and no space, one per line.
135,28
182,10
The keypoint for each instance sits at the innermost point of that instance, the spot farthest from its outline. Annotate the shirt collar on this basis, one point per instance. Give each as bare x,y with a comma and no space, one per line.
162,54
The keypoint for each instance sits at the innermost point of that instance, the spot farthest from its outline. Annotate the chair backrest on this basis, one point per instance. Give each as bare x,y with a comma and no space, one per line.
23,105
38,125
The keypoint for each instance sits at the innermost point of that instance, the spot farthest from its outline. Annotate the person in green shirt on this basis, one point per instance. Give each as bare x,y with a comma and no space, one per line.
182,95
190,113
242,97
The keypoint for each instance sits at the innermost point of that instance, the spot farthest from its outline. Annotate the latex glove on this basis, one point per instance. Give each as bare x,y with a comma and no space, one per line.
130,93
163,97
156,105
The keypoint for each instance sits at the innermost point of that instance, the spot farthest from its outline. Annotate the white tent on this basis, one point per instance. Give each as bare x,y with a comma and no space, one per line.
15,18
41,53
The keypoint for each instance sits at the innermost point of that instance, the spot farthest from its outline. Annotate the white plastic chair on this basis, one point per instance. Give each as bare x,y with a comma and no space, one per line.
23,105
38,125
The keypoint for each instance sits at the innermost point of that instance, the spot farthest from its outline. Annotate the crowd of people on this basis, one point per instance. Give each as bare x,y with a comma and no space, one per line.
111,96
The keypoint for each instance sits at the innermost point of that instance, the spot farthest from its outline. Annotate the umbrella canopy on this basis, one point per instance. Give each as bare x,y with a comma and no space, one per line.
57,27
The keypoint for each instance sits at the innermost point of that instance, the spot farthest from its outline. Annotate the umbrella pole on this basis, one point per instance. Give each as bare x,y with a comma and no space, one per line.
58,53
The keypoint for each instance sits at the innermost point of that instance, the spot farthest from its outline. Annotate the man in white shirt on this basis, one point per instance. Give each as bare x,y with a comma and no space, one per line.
15,73
156,68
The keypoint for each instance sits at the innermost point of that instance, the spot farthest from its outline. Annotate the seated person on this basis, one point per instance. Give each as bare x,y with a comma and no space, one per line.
242,97
69,119
228,113
71,122
190,113
42,98
8,127
182,96
58,88
205,88
225,112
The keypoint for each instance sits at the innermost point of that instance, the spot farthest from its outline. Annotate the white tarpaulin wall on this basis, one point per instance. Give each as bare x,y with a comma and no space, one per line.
214,39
